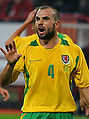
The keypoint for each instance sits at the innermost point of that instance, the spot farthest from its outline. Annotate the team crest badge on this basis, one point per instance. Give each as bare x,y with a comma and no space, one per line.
65,59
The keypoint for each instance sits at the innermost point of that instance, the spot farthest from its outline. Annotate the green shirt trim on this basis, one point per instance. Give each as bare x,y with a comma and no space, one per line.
27,80
63,42
61,36
34,43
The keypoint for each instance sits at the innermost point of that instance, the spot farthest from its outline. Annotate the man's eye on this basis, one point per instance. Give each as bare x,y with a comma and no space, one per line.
46,18
37,18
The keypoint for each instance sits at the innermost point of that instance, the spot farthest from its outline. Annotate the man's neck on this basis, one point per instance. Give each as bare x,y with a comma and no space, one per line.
49,43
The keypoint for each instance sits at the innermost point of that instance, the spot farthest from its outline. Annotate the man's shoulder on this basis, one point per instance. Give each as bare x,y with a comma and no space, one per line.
66,40
33,43
33,36
64,37
22,41
30,37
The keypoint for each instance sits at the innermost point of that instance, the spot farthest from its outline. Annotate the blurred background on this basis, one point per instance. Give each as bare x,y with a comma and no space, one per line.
74,18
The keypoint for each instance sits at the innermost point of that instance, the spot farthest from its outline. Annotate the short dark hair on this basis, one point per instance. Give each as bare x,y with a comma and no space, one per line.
56,13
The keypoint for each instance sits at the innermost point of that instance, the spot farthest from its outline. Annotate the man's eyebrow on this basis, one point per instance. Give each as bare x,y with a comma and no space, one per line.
36,17
43,17
47,17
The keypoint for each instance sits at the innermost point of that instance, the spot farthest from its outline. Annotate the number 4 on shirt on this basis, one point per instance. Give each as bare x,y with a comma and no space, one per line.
51,71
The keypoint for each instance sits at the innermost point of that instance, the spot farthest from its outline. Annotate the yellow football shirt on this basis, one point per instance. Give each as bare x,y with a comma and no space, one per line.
48,75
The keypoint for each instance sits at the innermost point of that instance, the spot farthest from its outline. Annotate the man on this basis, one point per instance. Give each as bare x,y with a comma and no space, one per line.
49,64
4,93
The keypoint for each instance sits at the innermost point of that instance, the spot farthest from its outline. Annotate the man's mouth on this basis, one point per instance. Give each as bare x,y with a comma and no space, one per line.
41,30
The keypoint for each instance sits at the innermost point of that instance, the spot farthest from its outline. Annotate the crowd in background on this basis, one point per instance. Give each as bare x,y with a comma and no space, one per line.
18,10
15,10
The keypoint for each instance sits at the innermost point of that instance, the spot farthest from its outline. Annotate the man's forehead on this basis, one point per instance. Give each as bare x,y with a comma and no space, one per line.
47,12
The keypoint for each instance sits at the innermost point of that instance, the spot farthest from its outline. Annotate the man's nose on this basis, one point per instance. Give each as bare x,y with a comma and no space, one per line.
41,21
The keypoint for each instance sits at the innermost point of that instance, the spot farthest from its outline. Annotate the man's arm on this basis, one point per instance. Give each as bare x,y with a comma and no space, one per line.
12,57
84,92
84,99
18,31
6,74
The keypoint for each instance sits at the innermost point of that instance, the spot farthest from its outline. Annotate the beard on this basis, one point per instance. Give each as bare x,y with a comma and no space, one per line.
49,34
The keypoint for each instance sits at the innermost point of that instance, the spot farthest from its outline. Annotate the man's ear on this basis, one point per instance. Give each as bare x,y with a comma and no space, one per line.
57,24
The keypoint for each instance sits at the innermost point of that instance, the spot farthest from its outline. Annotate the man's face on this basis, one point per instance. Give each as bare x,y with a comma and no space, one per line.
45,24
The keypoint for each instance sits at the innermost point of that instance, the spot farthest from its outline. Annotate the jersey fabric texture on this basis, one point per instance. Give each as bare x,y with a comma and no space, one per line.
45,115
48,75
22,41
